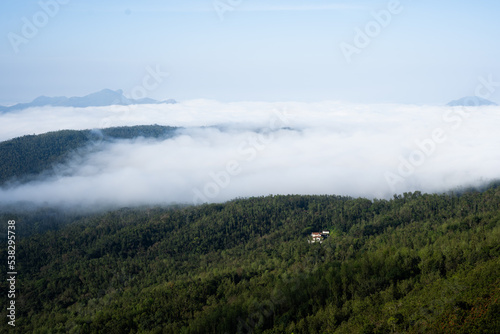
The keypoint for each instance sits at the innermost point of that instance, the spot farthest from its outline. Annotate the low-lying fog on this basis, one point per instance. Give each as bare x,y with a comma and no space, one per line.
264,148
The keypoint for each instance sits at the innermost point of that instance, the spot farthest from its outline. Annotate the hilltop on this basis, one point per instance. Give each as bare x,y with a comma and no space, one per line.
471,101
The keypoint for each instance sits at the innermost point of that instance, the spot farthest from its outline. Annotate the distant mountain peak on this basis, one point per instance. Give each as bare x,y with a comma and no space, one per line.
471,101
102,98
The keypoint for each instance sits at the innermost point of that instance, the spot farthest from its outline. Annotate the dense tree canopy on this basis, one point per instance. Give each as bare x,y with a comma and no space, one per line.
418,263
29,156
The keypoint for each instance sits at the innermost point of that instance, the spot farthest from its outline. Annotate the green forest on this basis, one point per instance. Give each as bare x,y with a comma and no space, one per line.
417,263
26,157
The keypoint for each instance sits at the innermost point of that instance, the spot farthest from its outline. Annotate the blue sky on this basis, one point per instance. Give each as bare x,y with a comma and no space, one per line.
429,53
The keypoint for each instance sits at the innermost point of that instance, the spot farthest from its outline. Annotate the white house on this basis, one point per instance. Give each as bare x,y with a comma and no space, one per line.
318,236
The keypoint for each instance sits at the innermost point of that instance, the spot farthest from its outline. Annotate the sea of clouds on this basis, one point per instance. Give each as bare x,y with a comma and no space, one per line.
230,150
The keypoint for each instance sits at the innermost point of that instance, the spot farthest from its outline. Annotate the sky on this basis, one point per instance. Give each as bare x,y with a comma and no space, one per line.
413,52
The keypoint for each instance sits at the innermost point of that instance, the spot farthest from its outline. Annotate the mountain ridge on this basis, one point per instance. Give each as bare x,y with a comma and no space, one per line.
471,101
102,98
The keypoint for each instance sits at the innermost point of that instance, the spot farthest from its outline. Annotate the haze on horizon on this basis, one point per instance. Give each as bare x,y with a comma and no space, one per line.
424,52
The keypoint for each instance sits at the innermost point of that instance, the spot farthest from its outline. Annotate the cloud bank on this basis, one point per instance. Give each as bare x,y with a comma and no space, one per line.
258,149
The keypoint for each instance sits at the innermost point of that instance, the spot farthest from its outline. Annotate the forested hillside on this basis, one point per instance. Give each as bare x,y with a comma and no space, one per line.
418,263
28,156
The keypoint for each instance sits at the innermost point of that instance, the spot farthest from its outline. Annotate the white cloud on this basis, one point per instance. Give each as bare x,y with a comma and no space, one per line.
301,148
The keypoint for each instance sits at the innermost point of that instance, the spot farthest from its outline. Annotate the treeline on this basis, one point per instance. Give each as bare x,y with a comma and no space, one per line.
28,156
417,263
